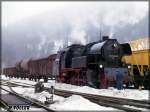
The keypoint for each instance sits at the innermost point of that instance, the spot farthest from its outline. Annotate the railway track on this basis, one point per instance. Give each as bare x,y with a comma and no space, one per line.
107,101
16,83
23,99
118,103
138,103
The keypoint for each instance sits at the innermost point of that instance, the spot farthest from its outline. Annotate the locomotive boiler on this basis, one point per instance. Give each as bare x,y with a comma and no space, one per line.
94,64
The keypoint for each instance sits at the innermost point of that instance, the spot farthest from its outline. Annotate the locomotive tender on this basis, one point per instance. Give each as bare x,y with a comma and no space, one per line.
94,64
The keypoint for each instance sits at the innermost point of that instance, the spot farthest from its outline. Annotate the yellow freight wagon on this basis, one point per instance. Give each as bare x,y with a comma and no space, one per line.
139,61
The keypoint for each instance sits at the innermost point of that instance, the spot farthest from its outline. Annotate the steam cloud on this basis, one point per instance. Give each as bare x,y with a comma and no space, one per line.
81,23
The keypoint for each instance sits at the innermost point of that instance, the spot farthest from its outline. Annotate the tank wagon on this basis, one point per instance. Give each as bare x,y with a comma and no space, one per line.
94,64
139,62
10,72
34,69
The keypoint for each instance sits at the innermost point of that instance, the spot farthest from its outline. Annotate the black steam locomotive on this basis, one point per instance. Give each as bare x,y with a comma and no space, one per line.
94,64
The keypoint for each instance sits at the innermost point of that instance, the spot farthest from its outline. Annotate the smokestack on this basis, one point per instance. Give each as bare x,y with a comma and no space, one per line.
105,38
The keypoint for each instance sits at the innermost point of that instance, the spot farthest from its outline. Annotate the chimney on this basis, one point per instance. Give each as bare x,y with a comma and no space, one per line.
105,38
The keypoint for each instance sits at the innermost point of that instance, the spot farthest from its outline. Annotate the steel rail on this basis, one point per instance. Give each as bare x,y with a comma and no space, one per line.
132,101
121,101
29,100
101,102
4,105
16,82
14,85
99,98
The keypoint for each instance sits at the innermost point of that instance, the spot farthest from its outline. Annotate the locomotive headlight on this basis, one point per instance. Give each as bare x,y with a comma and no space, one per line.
129,66
100,66
115,45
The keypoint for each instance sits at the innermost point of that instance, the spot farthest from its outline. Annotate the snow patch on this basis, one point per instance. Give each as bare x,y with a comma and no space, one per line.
4,77
38,96
76,102
113,92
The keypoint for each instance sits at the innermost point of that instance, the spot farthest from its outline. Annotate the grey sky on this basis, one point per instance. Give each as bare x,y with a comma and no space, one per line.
14,11
37,29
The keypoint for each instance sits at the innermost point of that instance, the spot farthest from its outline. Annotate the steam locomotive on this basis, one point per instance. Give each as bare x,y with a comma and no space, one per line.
94,64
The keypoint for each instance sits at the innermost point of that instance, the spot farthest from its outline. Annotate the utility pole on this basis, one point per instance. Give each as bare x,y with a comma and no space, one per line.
65,42
100,35
100,29
67,37
87,40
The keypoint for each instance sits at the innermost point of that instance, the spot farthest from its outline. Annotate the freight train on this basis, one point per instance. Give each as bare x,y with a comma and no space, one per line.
34,69
94,64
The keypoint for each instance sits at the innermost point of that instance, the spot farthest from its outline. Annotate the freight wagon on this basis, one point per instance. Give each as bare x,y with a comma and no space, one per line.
139,62
41,68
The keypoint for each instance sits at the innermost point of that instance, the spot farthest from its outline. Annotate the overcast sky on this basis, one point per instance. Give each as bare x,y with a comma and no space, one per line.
36,29
15,11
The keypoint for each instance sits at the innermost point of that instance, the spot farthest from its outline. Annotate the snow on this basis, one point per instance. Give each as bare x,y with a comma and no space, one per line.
4,78
73,102
18,80
113,92
76,102
38,96
34,109
24,81
61,86
4,92
142,109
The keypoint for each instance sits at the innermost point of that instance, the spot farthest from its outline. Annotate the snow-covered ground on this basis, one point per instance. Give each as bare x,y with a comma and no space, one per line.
73,102
39,96
113,92
18,80
76,102
125,93
4,92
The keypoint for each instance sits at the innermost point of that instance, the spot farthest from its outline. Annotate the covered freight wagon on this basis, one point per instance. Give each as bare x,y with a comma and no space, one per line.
10,72
41,68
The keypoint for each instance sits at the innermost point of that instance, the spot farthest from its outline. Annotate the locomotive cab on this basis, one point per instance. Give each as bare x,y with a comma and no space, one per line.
64,57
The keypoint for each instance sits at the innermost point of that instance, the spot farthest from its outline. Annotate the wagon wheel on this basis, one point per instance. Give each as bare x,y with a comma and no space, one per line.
83,79
73,79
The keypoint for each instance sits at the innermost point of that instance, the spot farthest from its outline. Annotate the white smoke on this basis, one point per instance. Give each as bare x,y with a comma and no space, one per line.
42,42
111,34
111,14
58,45
47,29
78,37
